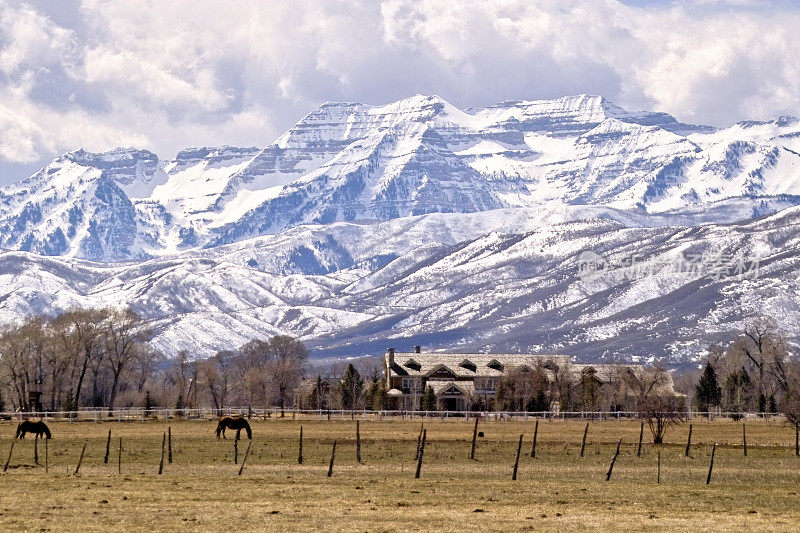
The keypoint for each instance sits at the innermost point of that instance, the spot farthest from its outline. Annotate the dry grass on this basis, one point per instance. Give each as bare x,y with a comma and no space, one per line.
557,490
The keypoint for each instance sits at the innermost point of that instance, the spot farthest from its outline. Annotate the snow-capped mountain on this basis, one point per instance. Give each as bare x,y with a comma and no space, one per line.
362,163
420,223
448,281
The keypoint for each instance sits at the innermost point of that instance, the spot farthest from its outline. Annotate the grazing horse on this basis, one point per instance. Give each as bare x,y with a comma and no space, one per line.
32,426
233,422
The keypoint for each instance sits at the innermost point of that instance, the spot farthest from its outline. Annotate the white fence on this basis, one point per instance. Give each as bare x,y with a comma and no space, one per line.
141,414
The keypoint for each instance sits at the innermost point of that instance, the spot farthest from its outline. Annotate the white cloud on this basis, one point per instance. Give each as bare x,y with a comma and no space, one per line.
164,75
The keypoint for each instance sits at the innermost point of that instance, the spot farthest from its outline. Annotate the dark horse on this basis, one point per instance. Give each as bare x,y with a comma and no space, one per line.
32,426
233,422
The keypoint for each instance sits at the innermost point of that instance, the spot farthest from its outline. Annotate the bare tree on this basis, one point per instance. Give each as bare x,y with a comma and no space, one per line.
215,374
524,389
13,357
123,331
763,348
656,404
287,357
77,333
143,365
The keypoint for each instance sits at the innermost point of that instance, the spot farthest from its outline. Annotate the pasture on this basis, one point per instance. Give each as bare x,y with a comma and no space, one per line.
558,490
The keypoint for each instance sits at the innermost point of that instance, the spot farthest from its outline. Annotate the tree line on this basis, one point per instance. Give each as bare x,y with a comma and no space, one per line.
754,373
104,358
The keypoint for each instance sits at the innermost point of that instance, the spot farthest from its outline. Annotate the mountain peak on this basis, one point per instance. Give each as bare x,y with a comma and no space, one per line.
352,161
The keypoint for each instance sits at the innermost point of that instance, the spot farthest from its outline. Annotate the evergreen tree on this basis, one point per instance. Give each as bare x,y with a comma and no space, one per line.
148,401
737,391
351,388
370,399
708,391
540,402
379,397
429,400
317,397
589,389
67,405
180,404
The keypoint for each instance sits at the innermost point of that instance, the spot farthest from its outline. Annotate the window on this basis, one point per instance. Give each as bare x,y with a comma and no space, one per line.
486,384
469,365
411,385
442,373
550,365
413,365
495,365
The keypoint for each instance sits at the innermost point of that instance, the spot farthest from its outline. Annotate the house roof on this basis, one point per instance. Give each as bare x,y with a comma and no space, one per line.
461,364
467,388
633,375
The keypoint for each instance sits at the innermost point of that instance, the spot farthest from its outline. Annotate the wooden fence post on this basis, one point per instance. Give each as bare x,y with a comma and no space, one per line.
641,434
80,459
613,460
119,457
108,447
658,476
244,459
419,440
535,433
583,442
333,456
421,453
10,451
163,446
169,444
744,439
711,465
516,461
358,442
797,439
474,438
300,450
688,441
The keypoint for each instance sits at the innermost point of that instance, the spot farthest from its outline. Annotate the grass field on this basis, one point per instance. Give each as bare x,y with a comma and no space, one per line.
200,490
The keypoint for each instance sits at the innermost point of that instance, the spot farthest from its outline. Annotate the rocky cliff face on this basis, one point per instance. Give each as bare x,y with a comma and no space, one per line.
361,163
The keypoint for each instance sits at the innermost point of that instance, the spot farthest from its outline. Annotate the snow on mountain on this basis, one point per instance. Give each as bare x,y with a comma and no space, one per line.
445,280
364,163
417,222
80,205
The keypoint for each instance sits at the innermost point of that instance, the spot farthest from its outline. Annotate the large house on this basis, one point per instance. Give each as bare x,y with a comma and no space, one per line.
462,381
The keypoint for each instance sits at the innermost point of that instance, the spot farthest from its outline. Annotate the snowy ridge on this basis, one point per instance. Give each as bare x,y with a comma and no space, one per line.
420,223
364,163
461,281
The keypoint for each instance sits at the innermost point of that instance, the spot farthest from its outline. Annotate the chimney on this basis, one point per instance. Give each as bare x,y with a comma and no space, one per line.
390,353
417,349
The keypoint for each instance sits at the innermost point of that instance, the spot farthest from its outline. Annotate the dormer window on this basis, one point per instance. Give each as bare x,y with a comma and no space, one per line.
442,372
469,365
494,364
550,365
413,365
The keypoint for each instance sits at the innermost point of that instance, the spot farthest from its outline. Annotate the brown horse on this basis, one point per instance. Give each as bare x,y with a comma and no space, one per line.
233,422
32,426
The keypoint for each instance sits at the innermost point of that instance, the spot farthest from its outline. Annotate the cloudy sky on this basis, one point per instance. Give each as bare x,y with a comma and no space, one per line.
166,75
